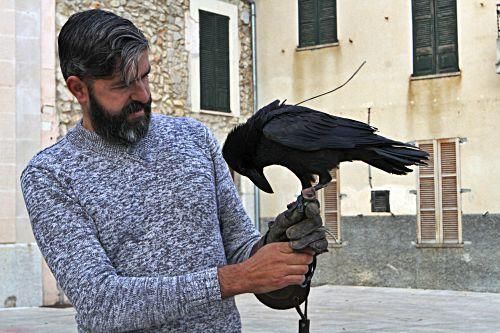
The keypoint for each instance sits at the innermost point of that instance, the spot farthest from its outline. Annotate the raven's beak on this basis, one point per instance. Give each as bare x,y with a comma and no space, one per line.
260,180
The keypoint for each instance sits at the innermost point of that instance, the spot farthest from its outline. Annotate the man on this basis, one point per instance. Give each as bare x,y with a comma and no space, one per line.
136,214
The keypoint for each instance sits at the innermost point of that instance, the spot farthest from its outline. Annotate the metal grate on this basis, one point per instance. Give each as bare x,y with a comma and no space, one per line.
380,201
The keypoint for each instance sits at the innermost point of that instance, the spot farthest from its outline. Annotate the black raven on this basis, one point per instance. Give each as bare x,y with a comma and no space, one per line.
309,143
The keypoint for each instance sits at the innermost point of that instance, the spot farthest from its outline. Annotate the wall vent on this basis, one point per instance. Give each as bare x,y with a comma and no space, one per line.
380,202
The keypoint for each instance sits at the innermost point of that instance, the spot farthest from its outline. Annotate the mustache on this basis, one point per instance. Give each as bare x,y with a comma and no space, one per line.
136,106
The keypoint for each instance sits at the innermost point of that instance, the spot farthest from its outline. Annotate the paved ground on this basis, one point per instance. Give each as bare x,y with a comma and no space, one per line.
331,309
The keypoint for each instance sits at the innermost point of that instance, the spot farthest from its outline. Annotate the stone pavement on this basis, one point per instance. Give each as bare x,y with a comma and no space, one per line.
331,309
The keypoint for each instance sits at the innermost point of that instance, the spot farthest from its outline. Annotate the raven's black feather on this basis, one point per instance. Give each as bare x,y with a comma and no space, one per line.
309,142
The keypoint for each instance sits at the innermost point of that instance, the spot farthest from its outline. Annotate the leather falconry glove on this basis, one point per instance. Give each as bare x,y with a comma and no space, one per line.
302,227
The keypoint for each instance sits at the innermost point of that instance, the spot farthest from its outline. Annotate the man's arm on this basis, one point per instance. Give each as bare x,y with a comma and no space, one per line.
253,267
104,300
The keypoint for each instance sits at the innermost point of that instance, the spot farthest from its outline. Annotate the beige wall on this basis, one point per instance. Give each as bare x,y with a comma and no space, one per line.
7,123
27,96
380,33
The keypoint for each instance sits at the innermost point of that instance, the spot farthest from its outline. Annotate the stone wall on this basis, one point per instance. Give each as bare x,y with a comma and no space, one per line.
163,23
381,251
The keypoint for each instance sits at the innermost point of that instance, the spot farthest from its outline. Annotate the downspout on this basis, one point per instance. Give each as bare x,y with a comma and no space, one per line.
255,105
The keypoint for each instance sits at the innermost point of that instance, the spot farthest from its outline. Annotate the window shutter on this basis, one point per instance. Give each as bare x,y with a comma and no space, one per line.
438,199
307,23
214,62
446,36
327,21
427,197
331,207
450,191
423,37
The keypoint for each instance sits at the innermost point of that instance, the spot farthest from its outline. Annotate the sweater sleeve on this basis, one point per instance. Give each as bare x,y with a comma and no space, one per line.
238,232
105,301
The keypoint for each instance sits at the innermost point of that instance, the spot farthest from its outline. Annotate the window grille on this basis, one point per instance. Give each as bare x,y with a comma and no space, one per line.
380,202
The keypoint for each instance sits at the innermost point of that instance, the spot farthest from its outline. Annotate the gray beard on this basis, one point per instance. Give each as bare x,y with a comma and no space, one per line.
117,128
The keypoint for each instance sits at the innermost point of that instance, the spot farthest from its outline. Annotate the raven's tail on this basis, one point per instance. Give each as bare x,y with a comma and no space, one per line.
396,159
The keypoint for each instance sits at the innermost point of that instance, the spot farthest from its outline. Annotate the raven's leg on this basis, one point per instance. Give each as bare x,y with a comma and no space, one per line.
306,180
324,179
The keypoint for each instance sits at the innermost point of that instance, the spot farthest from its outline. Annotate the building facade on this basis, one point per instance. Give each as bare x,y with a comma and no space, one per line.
429,79
38,108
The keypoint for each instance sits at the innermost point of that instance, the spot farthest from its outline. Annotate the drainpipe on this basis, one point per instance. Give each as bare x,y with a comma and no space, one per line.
255,105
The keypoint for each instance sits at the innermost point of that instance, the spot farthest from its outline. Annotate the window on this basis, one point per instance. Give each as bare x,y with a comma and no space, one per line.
438,193
317,22
214,62
435,46
331,208
212,41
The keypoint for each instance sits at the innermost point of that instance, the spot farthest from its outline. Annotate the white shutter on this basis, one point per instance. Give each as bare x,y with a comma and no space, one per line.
331,207
439,217
426,197
450,191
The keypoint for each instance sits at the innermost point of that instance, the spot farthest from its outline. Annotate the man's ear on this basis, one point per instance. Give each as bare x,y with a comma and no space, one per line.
78,88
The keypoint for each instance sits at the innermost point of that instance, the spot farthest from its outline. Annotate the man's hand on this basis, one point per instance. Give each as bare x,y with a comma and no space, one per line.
272,267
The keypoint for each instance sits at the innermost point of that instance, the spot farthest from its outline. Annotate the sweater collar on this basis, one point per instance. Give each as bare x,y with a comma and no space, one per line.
83,138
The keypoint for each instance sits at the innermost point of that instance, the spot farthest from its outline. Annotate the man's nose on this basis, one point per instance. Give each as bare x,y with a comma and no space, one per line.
141,91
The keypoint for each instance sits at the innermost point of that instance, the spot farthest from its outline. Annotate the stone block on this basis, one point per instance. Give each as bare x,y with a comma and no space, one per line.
7,68
24,233
27,51
8,5
8,49
7,151
7,126
7,216
7,21
28,125
7,177
21,274
7,99
27,23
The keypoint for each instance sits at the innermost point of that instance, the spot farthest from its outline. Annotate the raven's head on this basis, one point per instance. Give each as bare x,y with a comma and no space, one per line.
239,152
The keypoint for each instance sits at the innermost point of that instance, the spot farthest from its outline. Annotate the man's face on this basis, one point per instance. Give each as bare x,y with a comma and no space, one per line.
129,125
120,112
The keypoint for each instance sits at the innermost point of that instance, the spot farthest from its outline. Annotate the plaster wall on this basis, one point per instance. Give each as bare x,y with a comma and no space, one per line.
380,32
381,251
26,86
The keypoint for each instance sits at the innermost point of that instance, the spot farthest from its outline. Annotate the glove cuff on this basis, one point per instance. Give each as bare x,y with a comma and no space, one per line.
291,296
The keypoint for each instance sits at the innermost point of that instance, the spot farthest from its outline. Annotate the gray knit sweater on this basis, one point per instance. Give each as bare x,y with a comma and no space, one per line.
134,234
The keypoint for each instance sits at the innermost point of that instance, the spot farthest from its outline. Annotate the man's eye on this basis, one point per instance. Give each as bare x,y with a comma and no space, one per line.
121,87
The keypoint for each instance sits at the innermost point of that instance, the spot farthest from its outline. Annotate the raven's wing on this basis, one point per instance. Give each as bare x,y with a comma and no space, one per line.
309,130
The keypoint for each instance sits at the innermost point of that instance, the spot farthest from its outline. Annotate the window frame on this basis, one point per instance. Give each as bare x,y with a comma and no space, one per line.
219,76
193,48
436,70
317,23
437,176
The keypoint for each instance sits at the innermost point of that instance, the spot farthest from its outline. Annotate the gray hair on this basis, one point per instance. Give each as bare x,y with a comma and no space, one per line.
96,44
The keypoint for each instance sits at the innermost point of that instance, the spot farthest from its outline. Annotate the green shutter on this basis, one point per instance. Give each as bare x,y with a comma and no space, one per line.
327,21
307,23
435,48
446,36
214,62
423,37
317,22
